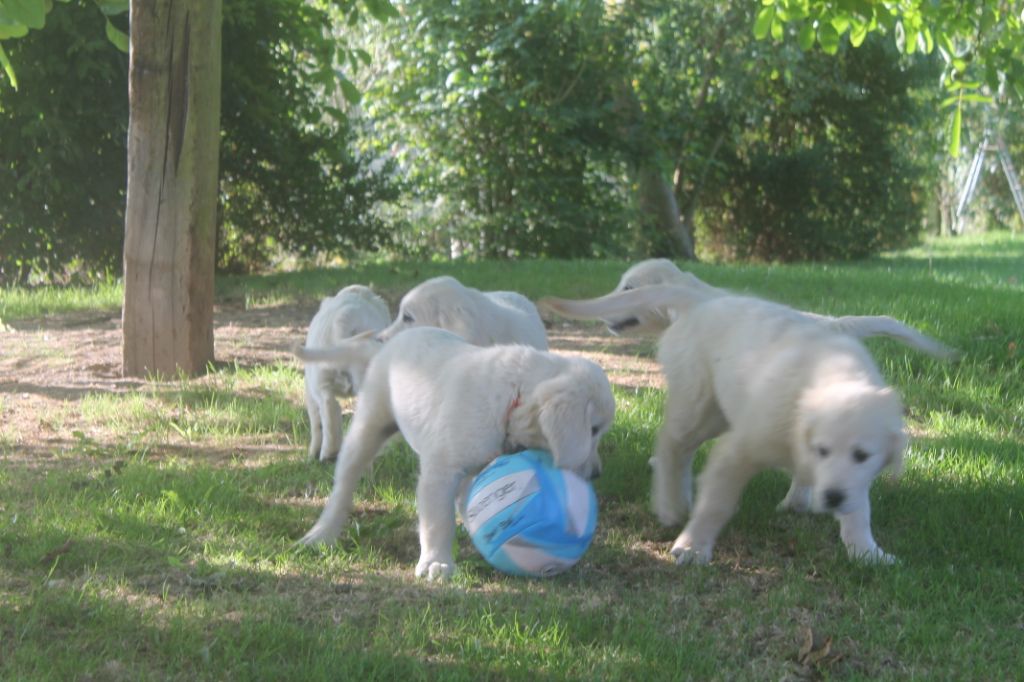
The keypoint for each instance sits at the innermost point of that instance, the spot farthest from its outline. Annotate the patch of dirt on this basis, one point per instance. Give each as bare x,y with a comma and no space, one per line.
49,363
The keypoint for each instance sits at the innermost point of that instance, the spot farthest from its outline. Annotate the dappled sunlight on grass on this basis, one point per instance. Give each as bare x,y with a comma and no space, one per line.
147,529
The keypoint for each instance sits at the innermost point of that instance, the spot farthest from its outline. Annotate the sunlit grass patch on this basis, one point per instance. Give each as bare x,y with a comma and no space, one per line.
17,303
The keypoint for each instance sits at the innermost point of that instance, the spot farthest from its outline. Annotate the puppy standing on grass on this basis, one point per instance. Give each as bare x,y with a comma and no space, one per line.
353,310
779,389
482,318
459,406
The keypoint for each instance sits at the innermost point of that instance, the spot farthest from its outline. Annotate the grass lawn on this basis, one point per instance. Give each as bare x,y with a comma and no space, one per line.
157,541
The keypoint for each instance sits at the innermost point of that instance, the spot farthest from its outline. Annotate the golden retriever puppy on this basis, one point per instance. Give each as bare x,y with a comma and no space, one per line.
482,318
353,310
459,406
780,390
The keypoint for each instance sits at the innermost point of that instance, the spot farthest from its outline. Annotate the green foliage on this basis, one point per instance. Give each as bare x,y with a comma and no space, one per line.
827,173
288,177
781,154
500,109
980,43
18,16
62,148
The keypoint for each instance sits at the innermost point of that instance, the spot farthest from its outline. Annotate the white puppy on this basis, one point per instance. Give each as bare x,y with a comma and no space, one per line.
482,318
353,310
657,271
648,273
781,390
459,406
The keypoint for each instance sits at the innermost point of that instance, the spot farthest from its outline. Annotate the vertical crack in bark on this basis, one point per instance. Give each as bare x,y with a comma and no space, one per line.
163,170
179,106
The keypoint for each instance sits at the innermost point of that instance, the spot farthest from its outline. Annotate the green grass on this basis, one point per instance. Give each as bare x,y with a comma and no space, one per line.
157,543
17,303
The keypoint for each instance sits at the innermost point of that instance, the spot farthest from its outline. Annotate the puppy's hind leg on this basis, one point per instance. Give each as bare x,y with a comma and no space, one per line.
364,439
316,435
436,491
686,426
330,414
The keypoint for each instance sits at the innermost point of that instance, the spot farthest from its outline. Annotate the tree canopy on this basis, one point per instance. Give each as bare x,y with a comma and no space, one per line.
570,128
981,43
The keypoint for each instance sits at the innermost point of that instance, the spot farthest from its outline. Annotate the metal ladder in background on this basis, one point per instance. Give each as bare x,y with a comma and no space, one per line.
974,173
1011,175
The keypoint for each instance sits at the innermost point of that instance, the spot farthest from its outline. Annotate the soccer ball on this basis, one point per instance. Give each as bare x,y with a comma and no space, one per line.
528,517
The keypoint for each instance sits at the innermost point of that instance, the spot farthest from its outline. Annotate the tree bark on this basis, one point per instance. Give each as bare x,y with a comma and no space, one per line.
170,217
658,202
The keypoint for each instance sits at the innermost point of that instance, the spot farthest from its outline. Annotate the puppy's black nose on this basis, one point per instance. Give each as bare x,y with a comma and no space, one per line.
834,498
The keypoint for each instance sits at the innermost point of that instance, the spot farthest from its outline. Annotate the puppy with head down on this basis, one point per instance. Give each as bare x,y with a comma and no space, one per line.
482,318
778,389
459,406
353,310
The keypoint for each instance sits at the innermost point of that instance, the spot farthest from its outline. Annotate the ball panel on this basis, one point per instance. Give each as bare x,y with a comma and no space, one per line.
528,559
497,494
580,505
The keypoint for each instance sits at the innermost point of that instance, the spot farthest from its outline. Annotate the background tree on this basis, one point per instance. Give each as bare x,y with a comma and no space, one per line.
981,43
291,177
62,149
500,114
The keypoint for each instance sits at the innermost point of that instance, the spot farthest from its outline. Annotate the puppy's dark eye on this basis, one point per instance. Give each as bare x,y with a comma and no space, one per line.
860,455
627,287
407,318
823,451
594,430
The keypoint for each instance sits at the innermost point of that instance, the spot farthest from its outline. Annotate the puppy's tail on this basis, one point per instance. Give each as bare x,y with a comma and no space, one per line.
356,351
616,309
865,326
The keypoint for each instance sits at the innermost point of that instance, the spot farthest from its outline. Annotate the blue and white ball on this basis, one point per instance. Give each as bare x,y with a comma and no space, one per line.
528,517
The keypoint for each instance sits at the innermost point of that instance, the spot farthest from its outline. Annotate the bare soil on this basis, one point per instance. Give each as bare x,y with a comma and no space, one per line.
49,363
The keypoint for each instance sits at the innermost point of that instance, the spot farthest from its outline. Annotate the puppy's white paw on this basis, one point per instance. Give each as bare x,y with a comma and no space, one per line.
797,499
318,535
796,506
687,552
435,570
875,555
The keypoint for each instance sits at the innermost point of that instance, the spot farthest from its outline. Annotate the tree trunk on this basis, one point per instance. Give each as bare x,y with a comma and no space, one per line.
170,218
658,203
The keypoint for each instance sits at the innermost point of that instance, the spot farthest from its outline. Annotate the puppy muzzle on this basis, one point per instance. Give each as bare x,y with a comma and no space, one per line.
619,326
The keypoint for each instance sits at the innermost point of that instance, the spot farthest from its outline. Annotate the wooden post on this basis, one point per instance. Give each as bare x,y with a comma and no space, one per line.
170,217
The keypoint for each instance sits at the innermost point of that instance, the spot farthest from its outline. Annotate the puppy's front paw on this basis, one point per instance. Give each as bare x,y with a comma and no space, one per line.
686,551
435,570
875,555
318,535
797,500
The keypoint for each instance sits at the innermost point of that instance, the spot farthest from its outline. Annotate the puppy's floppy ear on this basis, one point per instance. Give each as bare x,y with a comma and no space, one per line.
459,319
564,416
